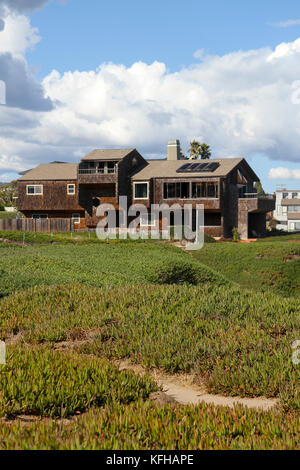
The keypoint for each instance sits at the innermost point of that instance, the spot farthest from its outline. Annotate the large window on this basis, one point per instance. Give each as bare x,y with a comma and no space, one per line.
294,195
107,168
34,189
205,190
141,190
294,208
176,190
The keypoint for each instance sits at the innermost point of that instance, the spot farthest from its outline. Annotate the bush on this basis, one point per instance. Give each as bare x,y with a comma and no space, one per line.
50,383
183,272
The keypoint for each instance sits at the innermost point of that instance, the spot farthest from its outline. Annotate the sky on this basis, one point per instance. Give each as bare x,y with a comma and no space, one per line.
77,75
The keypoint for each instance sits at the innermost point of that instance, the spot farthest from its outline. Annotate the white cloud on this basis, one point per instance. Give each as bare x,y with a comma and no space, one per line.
240,103
282,173
17,35
286,24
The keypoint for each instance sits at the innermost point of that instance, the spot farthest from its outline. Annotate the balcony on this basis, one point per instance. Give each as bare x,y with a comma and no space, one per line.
96,176
253,202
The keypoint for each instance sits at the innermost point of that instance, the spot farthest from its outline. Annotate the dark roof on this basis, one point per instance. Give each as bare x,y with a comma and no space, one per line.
107,154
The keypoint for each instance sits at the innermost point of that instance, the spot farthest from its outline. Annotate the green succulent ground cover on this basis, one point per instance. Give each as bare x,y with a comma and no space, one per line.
160,307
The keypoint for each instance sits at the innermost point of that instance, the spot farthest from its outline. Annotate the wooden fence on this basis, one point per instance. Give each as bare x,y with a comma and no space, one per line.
37,225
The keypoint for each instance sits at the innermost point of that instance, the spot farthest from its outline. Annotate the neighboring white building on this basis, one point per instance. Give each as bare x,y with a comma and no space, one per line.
287,210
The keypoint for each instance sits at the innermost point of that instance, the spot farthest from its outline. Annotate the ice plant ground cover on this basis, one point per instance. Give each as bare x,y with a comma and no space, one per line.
159,307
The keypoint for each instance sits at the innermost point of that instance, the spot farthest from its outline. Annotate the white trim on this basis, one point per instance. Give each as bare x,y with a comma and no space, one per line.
34,186
68,189
76,216
141,182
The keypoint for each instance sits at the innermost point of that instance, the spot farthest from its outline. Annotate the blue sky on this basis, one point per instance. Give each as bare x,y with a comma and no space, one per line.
80,35
76,35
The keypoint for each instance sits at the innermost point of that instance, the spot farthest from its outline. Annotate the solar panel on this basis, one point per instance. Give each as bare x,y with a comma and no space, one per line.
209,167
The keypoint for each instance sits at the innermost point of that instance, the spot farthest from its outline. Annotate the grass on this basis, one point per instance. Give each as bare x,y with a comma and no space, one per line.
238,341
42,382
95,265
145,426
268,266
228,314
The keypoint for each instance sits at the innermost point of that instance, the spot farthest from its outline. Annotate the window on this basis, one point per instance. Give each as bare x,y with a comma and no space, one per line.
141,190
297,225
147,220
110,168
76,218
294,195
285,195
34,189
107,168
293,208
39,216
71,189
205,190
176,190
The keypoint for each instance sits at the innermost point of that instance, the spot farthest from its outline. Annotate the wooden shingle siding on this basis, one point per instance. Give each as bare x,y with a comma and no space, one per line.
55,196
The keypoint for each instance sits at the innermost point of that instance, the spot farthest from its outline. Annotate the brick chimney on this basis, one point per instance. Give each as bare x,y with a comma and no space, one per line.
173,150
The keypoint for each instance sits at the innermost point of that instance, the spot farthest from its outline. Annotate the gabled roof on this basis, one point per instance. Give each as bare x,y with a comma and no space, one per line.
52,171
167,169
107,154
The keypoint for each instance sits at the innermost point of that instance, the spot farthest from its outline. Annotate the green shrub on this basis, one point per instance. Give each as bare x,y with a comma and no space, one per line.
47,383
183,271
146,426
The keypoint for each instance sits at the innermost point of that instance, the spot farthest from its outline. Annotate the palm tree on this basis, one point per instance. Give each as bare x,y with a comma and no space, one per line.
194,150
204,151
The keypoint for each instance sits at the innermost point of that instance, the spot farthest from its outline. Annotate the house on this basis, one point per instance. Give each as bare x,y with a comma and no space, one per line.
287,210
224,186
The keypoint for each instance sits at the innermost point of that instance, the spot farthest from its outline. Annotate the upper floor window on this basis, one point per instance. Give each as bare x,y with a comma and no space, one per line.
177,190
294,195
293,208
71,189
34,189
106,168
205,190
141,190
285,195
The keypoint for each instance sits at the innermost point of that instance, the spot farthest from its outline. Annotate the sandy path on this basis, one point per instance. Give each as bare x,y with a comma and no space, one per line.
180,389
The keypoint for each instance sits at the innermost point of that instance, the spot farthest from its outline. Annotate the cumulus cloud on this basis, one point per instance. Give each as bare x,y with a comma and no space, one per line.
21,88
17,36
240,103
282,173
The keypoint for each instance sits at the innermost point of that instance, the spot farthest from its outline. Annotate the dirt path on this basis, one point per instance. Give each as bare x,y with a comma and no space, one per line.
181,389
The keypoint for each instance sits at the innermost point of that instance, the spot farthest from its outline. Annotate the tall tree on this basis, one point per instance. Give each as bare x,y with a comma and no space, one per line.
194,150
205,152
259,188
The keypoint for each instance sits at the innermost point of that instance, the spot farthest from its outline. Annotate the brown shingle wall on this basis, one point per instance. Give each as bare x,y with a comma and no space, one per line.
54,197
